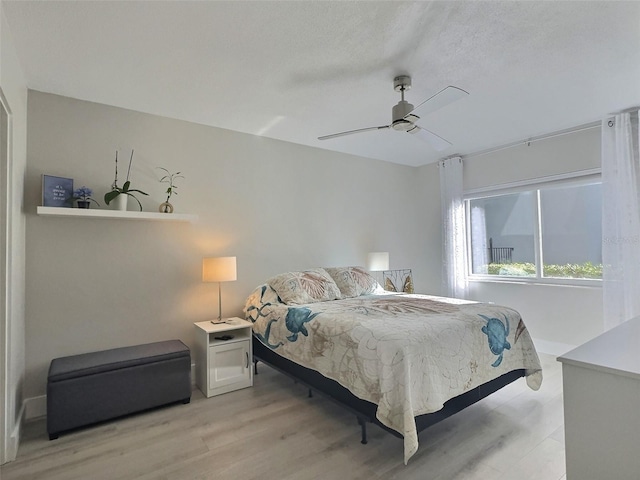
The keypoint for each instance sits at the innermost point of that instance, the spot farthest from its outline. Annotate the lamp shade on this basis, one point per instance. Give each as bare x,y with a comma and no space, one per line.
219,269
378,261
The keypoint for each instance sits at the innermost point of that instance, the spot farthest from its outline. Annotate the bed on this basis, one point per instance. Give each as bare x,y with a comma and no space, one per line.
402,361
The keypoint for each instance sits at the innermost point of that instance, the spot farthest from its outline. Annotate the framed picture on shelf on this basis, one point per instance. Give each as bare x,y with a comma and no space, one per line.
57,191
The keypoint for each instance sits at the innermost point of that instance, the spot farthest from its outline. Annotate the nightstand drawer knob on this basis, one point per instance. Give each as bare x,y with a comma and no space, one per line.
247,354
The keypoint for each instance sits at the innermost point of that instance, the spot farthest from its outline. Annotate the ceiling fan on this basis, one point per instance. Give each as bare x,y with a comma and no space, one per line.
404,116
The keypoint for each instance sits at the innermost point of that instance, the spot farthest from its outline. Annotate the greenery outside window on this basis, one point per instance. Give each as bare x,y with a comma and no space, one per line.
549,232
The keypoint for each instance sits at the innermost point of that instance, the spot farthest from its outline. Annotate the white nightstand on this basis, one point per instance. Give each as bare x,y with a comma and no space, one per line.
223,365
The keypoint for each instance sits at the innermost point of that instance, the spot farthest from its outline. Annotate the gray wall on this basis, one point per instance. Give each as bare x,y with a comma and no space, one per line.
562,315
94,283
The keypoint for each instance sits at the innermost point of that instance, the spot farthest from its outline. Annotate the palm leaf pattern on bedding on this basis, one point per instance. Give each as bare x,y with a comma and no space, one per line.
402,306
362,278
313,283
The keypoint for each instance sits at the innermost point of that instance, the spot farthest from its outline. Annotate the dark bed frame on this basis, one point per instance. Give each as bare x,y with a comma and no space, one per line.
366,411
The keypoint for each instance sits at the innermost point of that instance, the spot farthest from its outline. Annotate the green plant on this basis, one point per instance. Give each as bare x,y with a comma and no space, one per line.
125,189
581,270
569,270
170,178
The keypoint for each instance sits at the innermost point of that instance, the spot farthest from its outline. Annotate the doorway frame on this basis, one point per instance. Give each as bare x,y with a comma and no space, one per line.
6,134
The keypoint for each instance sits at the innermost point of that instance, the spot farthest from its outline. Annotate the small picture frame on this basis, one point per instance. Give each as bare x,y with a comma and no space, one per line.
57,191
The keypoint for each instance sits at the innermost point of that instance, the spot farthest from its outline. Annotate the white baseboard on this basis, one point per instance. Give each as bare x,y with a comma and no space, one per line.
552,348
35,407
14,439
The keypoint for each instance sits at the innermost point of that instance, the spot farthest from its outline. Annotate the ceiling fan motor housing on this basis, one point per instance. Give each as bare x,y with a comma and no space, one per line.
402,109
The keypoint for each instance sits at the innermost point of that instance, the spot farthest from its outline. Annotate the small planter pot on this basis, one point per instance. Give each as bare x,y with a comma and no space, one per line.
83,203
121,202
165,207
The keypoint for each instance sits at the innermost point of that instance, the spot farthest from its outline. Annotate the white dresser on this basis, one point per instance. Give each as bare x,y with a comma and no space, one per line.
602,406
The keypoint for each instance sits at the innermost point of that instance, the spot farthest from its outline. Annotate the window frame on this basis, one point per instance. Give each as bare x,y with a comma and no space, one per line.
584,177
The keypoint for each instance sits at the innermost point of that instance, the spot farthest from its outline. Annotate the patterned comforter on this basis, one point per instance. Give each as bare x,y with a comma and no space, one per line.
408,354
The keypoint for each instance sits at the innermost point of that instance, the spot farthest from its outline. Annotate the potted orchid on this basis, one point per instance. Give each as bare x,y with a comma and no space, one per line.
125,189
83,196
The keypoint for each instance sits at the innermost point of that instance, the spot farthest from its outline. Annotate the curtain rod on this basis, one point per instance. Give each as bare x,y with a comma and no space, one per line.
580,128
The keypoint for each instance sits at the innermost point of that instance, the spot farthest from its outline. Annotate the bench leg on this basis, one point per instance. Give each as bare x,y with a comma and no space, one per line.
363,430
186,400
53,436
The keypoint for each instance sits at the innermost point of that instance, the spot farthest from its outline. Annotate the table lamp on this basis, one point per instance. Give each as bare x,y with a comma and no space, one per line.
219,269
378,261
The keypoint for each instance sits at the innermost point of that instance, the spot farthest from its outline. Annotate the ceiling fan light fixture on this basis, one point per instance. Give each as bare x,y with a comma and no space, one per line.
402,125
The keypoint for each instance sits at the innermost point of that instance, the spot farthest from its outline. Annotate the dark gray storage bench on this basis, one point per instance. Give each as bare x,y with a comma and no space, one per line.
93,387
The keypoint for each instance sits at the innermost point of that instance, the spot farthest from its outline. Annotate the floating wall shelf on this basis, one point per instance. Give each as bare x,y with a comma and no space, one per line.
125,215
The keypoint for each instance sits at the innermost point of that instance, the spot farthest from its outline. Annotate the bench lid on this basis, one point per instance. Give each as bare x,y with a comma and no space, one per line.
75,366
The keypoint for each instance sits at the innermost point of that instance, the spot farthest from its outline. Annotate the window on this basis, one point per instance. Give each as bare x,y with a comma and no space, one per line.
551,231
571,231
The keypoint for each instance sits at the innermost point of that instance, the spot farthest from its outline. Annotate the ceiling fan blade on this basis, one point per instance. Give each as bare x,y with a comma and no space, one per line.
441,99
350,132
438,143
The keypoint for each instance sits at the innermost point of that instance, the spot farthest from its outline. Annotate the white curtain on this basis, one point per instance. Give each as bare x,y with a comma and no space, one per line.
479,244
453,228
620,218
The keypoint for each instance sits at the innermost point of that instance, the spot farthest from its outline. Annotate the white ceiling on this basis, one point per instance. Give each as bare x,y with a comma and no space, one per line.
298,70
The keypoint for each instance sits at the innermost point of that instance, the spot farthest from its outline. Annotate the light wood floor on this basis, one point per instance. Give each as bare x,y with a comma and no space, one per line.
273,431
